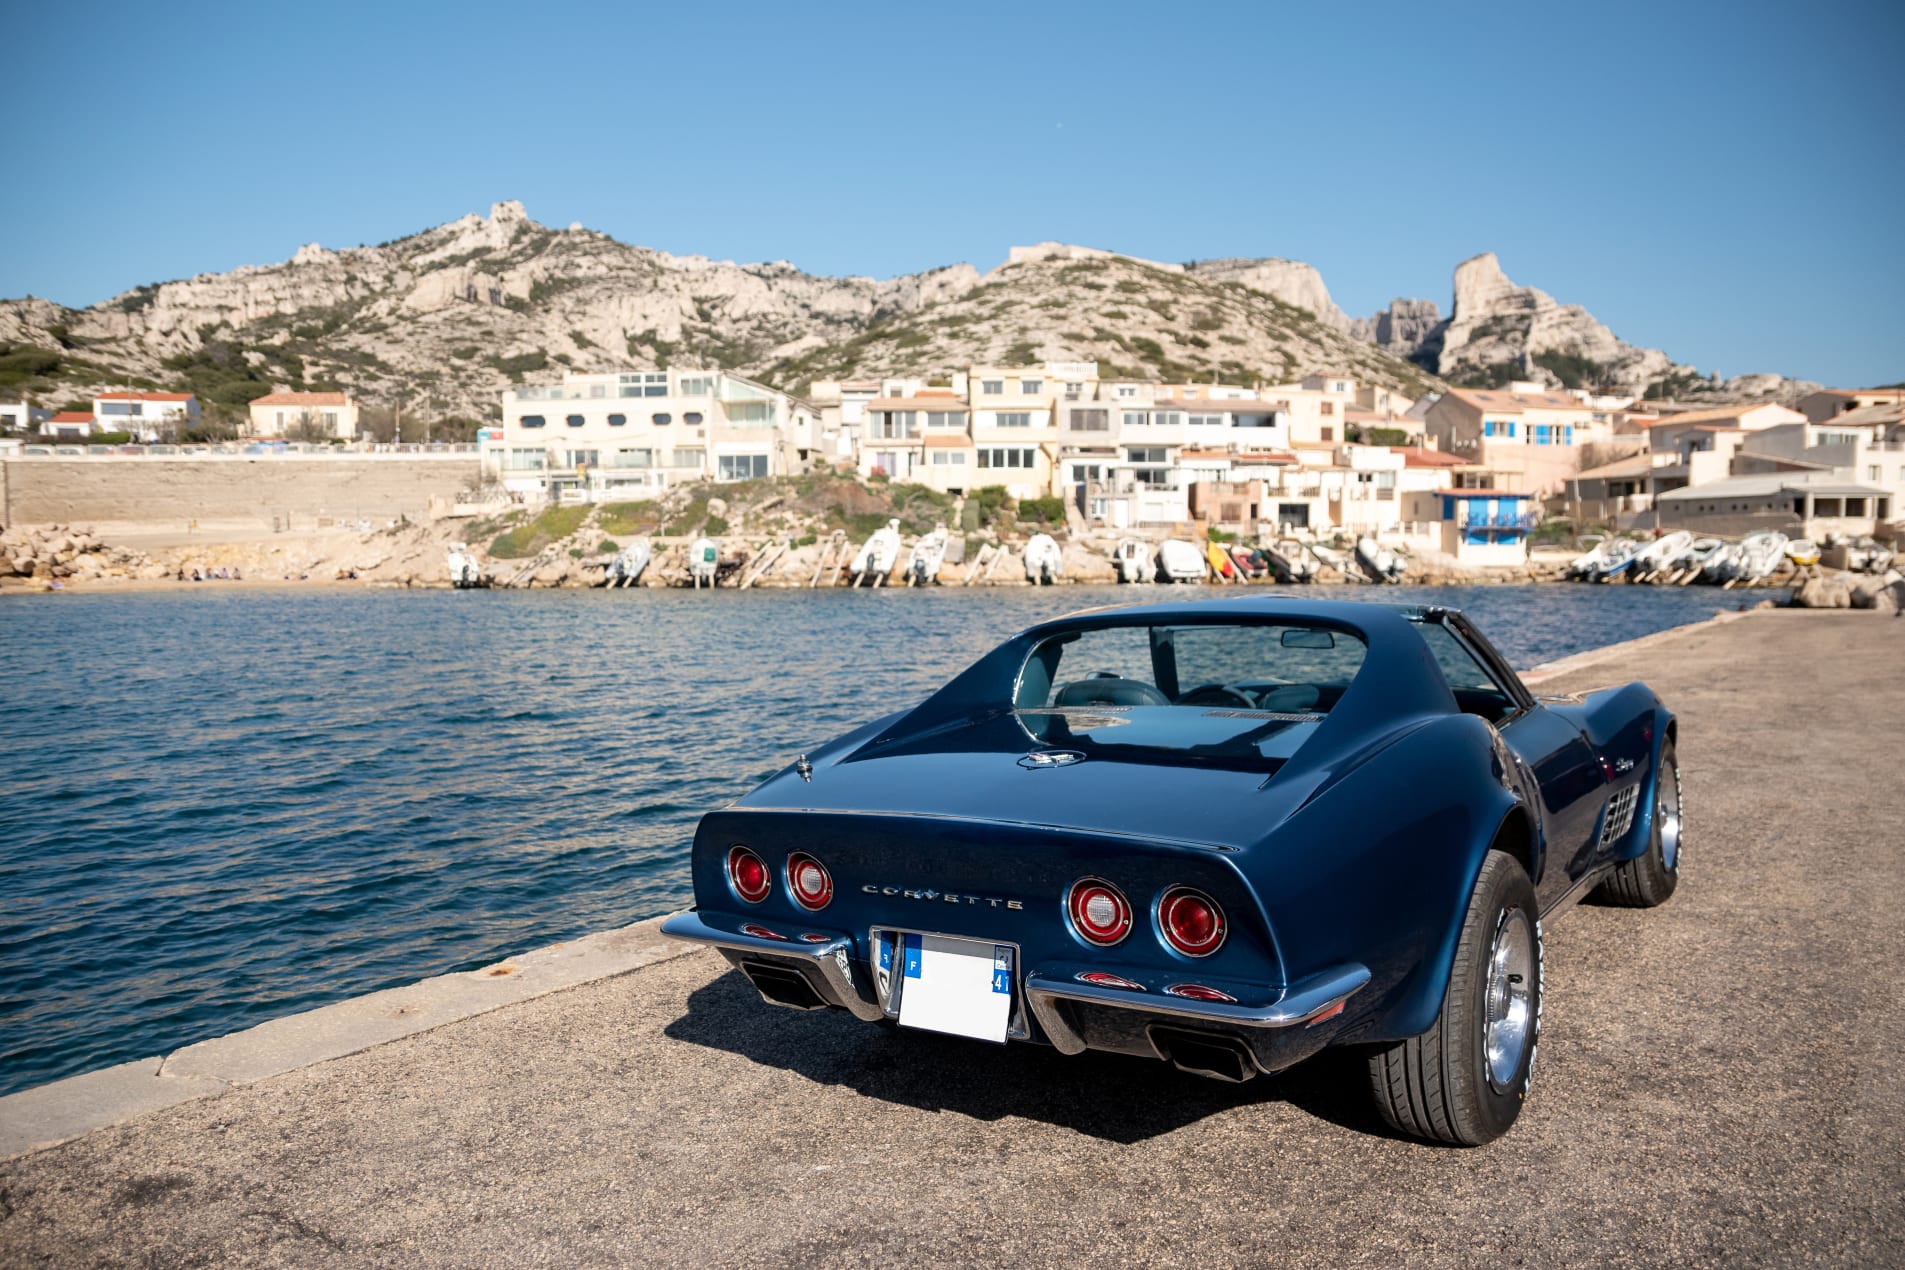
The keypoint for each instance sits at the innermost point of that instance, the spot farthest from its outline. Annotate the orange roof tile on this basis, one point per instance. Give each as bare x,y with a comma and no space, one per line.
302,399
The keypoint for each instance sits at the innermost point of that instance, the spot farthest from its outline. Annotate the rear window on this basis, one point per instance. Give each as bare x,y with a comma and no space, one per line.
1223,693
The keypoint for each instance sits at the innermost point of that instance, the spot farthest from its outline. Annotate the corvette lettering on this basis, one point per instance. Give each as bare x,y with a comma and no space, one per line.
949,897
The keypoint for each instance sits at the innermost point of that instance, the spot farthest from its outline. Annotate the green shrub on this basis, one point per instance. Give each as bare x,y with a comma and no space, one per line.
1048,510
628,518
533,537
716,526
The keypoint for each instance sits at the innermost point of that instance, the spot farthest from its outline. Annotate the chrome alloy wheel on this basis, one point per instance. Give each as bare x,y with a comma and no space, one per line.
1508,1018
1667,812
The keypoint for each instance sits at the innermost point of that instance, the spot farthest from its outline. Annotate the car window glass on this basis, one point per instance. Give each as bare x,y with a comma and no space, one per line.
1475,689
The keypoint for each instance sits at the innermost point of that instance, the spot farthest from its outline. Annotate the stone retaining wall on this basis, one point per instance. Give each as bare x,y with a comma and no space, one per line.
228,491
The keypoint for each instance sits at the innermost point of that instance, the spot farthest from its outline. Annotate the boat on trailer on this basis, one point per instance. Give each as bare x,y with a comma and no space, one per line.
877,556
1044,562
924,560
1291,561
466,571
1134,561
1658,556
1180,561
629,564
1379,562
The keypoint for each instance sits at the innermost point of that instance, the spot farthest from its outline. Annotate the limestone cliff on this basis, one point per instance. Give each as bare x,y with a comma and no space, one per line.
1498,331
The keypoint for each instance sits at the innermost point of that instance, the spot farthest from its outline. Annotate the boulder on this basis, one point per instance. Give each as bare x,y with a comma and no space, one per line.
1823,593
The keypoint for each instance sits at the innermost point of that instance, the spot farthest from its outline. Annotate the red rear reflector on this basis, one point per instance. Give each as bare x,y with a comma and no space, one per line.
809,881
1104,980
1327,1015
1198,992
761,932
816,939
1099,911
749,875
1191,922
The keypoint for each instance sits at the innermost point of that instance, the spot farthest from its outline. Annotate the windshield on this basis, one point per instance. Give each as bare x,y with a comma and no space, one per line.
1230,693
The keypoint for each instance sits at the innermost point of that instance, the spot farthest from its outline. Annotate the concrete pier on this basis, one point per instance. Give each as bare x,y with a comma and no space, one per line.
1721,1080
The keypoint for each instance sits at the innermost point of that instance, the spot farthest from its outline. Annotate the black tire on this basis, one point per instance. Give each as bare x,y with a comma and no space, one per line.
1650,877
1440,1085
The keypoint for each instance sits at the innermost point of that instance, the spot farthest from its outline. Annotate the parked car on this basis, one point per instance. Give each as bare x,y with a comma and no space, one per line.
1227,835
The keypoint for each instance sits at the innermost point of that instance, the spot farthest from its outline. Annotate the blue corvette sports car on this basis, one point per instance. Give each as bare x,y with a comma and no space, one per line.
1224,834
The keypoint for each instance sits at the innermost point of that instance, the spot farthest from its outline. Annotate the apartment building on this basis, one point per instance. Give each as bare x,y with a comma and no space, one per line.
1534,436
1820,406
633,434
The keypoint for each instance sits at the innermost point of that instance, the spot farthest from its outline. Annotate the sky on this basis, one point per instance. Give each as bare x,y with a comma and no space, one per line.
1725,181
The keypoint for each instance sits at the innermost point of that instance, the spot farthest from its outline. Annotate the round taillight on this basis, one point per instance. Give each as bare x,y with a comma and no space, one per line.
1099,912
748,874
808,880
1191,922
1100,979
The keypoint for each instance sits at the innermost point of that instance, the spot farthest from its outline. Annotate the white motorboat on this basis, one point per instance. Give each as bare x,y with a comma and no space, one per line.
1134,561
1330,558
704,561
1618,555
466,571
1802,551
1724,564
1762,553
1180,561
1588,563
1698,552
629,563
1044,562
877,556
924,560
1378,561
1291,561
1659,555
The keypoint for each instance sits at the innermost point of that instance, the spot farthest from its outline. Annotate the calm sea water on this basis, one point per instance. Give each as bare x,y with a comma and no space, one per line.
219,808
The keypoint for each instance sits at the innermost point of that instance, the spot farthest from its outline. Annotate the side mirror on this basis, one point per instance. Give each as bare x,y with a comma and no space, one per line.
1308,637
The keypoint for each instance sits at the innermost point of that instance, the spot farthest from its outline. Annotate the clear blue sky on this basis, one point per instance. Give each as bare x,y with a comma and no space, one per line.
1725,181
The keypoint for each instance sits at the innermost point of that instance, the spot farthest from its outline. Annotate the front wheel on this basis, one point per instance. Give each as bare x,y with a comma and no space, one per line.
1650,877
1464,1080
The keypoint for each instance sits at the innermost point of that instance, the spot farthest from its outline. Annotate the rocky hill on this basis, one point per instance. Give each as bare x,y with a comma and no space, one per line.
1498,332
441,321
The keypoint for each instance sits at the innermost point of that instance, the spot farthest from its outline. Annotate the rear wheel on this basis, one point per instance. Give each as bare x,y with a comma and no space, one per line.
1649,878
1464,1080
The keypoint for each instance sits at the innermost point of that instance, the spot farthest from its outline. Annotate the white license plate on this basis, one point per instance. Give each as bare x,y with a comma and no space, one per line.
961,986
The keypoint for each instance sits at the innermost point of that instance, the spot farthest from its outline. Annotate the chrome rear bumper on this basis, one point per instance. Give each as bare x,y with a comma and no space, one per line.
825,962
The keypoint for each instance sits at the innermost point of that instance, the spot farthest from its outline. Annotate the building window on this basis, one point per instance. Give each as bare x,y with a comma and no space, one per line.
992,387
945,419
893,425
662,420
618,421
1135,419
1006,456
1014,419
949,458
1031,387
687,458
1091,421
1872,472
1167,418
1127,390
1327,408
525,461
330,420
1207,421
574,421
742,467
692,418
532,421
1146,454
1329,434
700,386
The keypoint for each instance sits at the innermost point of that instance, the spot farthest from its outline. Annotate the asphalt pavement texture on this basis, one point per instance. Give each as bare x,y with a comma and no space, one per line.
1720,1080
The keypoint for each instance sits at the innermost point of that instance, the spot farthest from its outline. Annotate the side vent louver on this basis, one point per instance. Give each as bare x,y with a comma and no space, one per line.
1619,816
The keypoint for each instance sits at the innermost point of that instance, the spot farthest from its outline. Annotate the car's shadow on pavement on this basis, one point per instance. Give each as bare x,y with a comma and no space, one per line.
1106,1096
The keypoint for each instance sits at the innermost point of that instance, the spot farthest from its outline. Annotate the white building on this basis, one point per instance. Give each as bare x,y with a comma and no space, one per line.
22,416
308,414
630,435
144,414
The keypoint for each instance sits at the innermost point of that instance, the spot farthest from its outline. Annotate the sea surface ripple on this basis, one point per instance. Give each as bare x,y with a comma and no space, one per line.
220,808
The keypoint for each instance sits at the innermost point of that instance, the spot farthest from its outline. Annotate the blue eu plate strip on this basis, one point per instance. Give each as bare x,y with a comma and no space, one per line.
912,956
